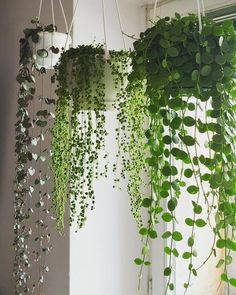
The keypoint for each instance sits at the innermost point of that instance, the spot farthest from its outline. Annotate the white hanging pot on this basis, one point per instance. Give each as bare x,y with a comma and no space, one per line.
111,89
49,48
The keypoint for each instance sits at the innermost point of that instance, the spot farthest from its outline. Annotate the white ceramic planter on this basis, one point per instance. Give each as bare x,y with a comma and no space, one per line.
110,90
46,41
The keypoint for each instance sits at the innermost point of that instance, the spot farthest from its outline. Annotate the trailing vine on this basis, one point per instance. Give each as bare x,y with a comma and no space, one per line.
79,131
130,100
30,196
191,136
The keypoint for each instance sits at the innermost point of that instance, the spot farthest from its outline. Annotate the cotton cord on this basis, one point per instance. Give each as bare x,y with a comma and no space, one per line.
203,8
104,29
40,9
71,24
199,16
53,13
120,23
154,11
64,15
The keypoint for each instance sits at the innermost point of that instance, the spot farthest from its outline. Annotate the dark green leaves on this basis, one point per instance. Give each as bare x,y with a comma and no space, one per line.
200,223
146,202
43,53
189,121
177,236
172,52
167,217
206,70
192,189
188,140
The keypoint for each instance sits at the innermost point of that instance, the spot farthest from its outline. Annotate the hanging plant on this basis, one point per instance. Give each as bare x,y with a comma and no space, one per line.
31,178
191,136
129,103
87,85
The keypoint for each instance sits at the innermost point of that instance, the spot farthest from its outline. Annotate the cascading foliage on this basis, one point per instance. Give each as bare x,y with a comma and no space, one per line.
190,90
31,236
79,131
130,138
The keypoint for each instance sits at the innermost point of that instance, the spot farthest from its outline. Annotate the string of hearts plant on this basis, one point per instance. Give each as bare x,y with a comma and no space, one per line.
190,90
30,181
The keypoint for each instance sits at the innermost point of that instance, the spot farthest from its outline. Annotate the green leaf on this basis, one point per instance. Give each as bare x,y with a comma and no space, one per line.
152,234
42,53
147,202
224,277
188,140
220,59
186,255
145,250
167,271
195,75
231,245
175,123
190,242
175,252
147,263
232,282
220,243
143,231
167,250
200,223
177,236
41,123
152,109
198,58
228,72
166,170
197,209
189,221
206,70
207,58
167,217
189,121
166,235
172,52
171,286
172,204
220,263
138,261
167,139
164,43
188,173
192,189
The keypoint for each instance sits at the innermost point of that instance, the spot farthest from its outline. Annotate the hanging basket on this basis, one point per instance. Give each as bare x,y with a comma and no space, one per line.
99,75
49,48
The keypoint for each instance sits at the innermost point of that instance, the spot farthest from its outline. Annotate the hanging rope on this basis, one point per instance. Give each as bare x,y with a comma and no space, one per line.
64,16
199,16
120,23
203,8
71,24
40,9
53,13
104,29
154,11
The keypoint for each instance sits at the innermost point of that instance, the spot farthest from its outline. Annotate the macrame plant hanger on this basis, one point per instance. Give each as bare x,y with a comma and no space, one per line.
105,31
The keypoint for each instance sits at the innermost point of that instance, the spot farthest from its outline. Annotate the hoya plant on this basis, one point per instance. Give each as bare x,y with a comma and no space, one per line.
188,81
31,236
86,79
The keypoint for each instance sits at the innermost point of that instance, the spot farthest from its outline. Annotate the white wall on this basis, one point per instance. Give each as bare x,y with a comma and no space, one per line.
102,253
